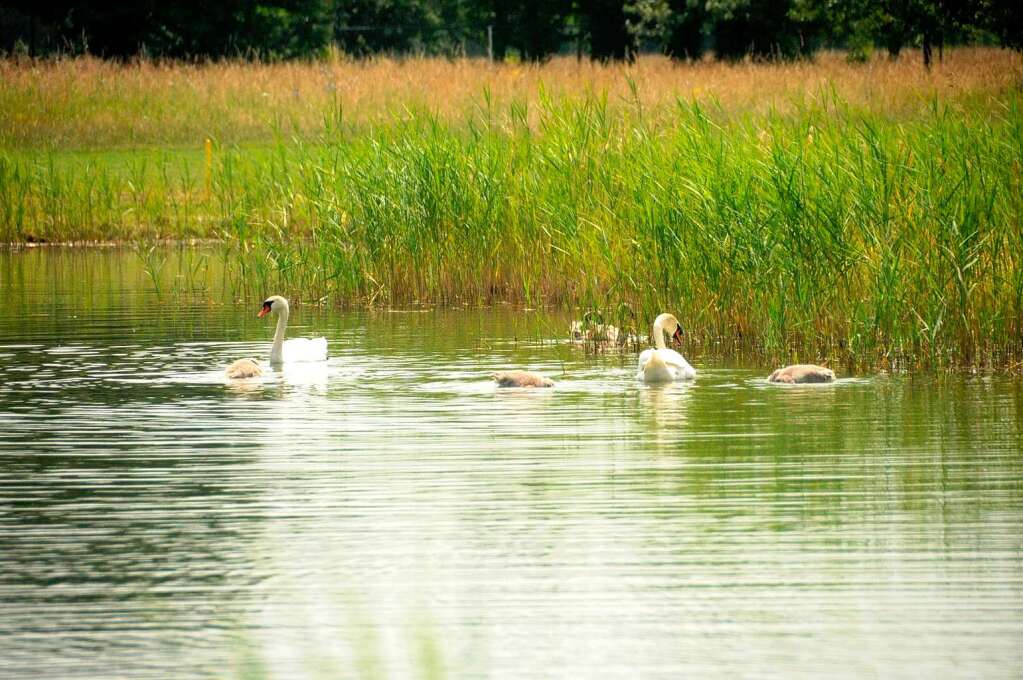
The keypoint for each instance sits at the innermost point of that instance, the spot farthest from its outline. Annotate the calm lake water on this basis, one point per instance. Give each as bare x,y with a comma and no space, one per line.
390,514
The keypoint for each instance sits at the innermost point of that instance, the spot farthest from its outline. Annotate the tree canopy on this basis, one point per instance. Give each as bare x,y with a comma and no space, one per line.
526,29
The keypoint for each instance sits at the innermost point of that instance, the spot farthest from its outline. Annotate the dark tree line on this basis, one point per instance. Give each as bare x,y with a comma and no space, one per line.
530,29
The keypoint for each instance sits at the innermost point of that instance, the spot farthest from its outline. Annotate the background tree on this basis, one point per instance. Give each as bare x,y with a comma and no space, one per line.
673,27
535,29
604,24
1003,18
371,26
762,28
686,38
187,28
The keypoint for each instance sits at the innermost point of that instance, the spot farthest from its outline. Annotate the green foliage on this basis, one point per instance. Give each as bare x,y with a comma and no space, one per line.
686,38
1003,18
534,28
605,24
261,28
860,51
675,27
403,26
530,29
762,28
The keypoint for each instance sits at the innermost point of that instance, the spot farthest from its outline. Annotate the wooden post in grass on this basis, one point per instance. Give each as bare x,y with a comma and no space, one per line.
209,165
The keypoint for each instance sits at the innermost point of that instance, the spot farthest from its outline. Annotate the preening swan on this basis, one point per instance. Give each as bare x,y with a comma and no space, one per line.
244,368
522,379
802,373
662,364
297,349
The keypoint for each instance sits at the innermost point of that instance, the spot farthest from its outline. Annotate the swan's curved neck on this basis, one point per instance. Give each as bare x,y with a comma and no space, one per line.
659,334
277,350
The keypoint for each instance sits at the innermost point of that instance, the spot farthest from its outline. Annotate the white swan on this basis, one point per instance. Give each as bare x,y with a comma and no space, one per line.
296,349
662,364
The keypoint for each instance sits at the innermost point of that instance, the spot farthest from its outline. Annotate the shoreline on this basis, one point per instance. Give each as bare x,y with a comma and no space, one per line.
703,341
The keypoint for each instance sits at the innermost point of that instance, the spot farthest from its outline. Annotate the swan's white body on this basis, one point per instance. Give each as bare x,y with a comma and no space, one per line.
302,349
661,364
297,349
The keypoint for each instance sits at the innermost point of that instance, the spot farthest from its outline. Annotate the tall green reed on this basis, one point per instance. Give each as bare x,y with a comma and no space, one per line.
828,233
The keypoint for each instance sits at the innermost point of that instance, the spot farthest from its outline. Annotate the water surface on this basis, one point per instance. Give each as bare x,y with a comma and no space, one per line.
390,514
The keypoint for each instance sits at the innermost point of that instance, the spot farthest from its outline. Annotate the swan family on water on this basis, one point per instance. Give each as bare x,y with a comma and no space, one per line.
659,364
281,351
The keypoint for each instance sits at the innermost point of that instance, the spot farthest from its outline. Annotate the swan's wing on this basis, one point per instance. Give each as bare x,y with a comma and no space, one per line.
319,348
643,358
686,371
677,361
305,349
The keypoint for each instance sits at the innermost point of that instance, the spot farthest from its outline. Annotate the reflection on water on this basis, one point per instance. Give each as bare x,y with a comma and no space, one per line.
390,511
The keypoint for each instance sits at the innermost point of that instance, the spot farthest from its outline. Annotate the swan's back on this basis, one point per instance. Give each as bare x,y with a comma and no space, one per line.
654,370
305,349
664,365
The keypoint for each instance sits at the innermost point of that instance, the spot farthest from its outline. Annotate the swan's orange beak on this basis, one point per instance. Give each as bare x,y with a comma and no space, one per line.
264,311
677,335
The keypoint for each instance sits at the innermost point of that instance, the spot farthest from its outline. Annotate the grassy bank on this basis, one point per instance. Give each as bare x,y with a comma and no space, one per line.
869,215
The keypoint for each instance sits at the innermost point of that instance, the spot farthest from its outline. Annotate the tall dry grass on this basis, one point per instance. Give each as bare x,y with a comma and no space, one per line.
87,103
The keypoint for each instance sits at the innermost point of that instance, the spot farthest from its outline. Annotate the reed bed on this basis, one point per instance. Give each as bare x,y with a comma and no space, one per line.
865,226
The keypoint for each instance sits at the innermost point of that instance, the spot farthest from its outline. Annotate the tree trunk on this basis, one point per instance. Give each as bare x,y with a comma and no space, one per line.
500,31
894,45
927,51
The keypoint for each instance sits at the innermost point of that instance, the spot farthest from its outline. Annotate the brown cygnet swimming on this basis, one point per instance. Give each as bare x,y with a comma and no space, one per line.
802,373
522,379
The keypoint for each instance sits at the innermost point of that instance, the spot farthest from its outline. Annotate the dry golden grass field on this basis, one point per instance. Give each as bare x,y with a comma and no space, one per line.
90,103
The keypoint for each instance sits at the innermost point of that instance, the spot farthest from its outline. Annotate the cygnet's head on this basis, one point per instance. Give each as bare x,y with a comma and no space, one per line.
275,304
669,324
